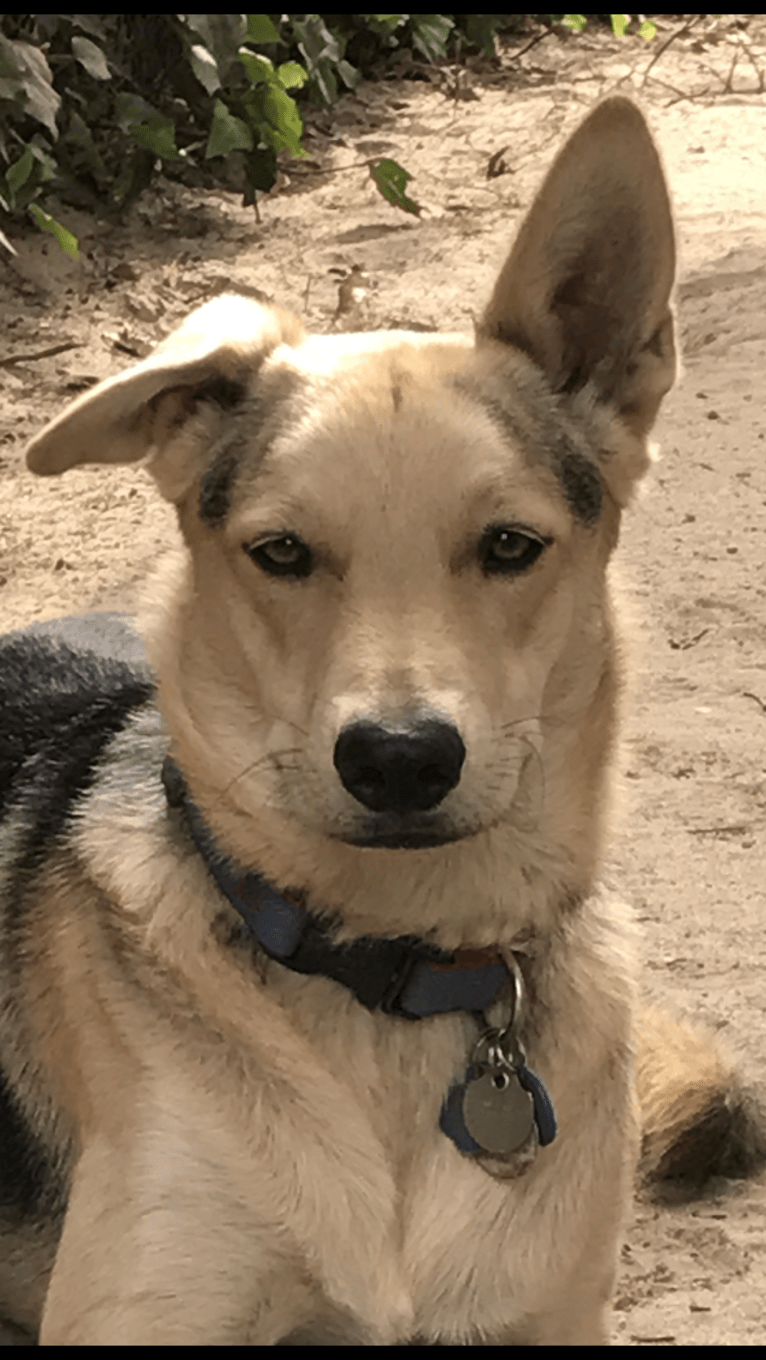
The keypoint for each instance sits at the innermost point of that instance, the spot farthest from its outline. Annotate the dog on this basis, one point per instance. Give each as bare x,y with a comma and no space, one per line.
317,1025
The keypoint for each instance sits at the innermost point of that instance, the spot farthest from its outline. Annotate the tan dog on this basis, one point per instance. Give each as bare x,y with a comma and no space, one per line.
388,680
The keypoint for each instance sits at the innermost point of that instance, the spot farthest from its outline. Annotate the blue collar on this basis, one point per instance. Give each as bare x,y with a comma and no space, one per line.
406,976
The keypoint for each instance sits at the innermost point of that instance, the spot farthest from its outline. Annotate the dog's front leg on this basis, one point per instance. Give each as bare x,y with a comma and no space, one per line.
190,1267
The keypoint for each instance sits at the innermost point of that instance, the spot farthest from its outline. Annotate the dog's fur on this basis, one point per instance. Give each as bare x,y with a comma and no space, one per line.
203,1146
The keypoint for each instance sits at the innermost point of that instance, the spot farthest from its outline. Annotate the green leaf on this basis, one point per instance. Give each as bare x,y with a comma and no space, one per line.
385,24
17,175
316,38
30,72
576,22
80,135
324,80
647,29
222,35
91,57
205,68
89,23
430,33
480,30
348,74
260,29
23,179
282,113
130,109
45,161
227,133
292,75
258,67
8,67
620,24
66,240
157,135
321,53
391,179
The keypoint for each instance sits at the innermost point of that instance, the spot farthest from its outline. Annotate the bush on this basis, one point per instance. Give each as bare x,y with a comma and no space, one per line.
90,105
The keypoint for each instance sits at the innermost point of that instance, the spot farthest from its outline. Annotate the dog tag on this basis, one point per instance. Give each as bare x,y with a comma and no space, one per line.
501,1112
497,1112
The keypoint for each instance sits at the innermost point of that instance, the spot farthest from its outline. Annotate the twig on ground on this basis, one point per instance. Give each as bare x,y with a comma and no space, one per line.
679,33
40,354
537,39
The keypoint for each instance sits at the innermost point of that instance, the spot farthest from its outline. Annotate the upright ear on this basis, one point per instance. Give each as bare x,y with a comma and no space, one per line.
213,355
585,291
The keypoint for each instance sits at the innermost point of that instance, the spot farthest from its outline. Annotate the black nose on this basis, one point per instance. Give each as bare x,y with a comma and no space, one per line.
399,771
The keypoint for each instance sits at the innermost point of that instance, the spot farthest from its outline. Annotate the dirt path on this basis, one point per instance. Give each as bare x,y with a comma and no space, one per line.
690,854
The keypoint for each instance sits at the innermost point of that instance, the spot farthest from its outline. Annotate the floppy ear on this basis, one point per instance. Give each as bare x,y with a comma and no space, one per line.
585,291
212,355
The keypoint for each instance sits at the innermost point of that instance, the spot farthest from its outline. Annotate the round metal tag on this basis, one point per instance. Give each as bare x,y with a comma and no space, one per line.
498,1112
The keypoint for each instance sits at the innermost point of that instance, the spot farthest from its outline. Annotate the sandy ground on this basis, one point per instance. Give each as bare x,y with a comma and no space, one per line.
690,851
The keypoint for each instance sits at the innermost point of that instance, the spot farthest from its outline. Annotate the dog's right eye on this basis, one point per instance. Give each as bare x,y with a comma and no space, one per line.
283,556
507,551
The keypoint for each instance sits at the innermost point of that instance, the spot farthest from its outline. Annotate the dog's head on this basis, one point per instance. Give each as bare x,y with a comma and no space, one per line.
394,629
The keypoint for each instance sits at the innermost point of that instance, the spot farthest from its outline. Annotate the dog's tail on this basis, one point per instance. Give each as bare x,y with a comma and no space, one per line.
698,1119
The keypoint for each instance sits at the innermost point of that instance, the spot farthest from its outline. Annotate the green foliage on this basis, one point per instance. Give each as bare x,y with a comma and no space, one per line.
480,30
66,240
430,33
91,105
392,180
620,24
26,82
324,55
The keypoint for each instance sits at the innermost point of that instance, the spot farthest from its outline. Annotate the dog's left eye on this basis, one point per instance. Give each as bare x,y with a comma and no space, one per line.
283,556
509,552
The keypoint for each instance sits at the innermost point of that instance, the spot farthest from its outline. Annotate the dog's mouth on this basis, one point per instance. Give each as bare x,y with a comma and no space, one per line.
386,834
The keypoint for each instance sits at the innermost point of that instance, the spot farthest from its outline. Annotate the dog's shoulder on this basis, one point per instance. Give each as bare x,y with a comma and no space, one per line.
60,707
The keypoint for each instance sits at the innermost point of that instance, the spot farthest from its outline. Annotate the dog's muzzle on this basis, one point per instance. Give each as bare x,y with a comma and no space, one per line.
400,772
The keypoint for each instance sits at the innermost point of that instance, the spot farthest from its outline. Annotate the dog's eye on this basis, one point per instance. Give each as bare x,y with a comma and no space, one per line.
509,551
283,556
